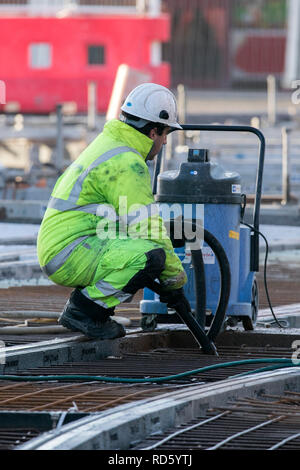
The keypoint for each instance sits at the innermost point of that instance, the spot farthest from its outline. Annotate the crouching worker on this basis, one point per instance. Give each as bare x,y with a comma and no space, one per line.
101,232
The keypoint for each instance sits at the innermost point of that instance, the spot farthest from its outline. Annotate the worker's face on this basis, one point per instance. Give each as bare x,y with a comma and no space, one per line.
158,141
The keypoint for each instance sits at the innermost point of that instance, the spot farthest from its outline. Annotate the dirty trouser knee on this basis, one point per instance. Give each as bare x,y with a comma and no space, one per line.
111,273
120,286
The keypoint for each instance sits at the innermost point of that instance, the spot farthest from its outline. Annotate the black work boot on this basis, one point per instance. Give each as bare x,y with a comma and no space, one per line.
84,315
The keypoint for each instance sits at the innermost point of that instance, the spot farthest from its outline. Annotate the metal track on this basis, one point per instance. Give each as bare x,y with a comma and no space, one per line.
94,397
218,405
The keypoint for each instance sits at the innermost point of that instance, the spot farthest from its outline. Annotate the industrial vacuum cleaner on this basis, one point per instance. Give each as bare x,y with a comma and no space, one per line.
221,260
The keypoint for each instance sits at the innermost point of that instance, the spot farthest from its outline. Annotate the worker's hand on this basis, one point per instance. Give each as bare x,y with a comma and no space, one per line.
175,299
174,282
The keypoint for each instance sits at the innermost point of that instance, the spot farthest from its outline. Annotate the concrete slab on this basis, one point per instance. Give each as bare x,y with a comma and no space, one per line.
280,237
24,210
16,234
78,347
276,214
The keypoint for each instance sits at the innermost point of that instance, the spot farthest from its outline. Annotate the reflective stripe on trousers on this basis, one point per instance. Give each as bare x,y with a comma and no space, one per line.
58,261
107,290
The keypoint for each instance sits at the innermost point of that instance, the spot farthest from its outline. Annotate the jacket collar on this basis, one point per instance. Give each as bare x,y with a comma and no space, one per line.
126,134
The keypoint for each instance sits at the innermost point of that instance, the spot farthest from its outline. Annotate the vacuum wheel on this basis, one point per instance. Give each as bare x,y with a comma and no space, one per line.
250,322
149,322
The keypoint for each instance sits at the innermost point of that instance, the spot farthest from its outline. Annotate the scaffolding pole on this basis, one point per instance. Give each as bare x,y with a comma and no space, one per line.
292,58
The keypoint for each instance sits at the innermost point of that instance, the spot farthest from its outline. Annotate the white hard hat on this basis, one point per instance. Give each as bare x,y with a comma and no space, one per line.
152,102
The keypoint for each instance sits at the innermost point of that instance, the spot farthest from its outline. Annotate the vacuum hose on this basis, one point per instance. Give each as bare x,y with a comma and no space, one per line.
197,325
225,286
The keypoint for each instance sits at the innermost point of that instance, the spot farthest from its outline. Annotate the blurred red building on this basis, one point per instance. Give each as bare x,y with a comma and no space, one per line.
45,60
49,60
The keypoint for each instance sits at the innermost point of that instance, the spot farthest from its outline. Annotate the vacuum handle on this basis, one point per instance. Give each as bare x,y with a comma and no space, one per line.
156,171
254,260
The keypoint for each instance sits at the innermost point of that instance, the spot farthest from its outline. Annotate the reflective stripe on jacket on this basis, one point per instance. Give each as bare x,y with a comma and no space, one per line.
108,182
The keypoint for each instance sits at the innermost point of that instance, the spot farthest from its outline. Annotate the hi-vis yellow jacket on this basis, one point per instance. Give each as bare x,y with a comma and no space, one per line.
106,192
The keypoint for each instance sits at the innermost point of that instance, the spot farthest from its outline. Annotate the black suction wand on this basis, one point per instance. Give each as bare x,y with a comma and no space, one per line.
197,331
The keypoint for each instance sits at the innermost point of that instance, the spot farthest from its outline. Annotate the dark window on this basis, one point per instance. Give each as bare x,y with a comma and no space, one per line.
96,55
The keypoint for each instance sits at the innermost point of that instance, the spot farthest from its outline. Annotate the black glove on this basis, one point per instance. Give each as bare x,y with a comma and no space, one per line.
175,299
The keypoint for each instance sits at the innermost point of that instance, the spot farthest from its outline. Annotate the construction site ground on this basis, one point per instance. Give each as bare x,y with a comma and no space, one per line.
170,349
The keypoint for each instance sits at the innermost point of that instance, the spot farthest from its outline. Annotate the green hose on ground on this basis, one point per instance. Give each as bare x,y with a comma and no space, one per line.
284,362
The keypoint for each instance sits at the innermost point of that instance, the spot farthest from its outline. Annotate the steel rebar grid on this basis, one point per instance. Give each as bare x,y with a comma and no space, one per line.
10,438
249,424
